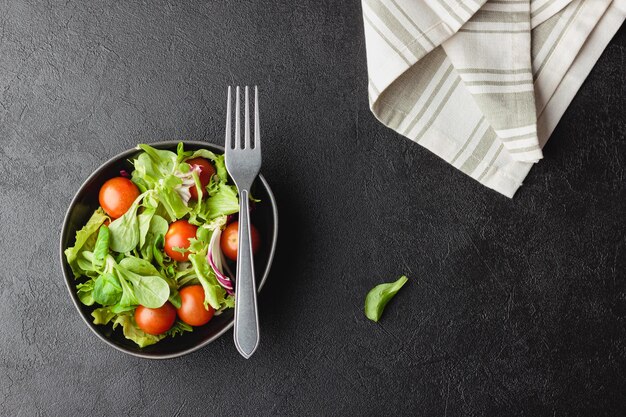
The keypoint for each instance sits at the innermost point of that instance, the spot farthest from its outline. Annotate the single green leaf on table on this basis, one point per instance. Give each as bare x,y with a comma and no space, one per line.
107,290
379,296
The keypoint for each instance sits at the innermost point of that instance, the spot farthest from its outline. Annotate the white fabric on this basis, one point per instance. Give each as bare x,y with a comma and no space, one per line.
482,84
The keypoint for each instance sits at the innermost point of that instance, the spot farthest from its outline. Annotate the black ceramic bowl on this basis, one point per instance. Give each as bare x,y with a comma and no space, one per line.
264,217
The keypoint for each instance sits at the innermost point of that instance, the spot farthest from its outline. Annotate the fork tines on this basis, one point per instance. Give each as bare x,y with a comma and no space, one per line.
235,143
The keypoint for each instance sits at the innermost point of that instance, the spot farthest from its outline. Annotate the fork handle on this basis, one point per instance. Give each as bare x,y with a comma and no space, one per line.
246,331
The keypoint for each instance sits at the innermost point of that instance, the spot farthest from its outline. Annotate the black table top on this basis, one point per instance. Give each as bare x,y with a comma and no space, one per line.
514,307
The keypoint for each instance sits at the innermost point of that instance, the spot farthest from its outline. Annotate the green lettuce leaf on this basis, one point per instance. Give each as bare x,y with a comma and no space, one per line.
222,203
150,291
157,252
170,199
179,328
84,261
145,175
82,237
132,331
125,230
213,293
181,153
85,292
128,299
125,264
218,161
379,296
138,266
103,315
153,241
150,204
206,229
107,289
101,248
229,302
197,207
163,161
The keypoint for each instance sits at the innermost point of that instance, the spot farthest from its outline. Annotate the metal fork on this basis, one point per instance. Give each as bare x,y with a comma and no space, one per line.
243,162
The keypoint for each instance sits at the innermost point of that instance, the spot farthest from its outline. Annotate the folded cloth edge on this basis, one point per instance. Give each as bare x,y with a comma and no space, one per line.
507,179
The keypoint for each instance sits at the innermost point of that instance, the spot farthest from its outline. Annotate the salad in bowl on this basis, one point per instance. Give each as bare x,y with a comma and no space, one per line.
153,259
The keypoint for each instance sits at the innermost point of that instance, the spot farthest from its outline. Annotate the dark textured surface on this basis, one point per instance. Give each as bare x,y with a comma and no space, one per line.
514,307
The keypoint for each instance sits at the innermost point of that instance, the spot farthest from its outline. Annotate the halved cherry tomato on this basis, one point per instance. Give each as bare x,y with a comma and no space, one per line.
192,309
230,240
178,236
207,170
117,195
156,320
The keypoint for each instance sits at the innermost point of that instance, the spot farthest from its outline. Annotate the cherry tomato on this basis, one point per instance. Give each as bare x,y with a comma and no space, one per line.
192,309
230,240
207,170
155,320
178,236
117,195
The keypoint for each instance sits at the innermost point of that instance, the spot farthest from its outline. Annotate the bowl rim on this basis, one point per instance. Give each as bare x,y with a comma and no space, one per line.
69,282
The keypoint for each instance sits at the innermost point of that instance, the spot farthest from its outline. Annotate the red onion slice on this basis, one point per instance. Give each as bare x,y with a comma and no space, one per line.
215,259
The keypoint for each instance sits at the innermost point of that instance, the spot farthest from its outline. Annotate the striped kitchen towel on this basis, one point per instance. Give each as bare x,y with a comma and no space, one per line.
482,83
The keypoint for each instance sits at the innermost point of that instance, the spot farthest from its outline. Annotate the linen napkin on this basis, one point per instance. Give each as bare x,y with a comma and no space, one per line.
482,84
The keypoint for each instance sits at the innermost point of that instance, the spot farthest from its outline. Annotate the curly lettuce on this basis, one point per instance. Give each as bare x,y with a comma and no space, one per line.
121,265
